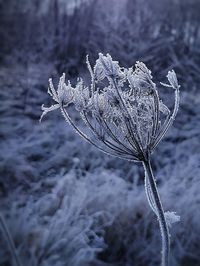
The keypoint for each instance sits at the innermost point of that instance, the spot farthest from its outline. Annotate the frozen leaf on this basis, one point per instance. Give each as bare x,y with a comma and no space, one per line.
171,218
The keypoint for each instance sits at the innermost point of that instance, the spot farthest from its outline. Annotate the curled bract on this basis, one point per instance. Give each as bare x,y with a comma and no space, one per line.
142,77
173,79
106,67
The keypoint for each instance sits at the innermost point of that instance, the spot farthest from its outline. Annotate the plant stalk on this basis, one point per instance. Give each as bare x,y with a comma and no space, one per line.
9,240
159,212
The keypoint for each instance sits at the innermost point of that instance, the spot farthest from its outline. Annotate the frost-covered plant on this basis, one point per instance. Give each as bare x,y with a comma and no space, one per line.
125,118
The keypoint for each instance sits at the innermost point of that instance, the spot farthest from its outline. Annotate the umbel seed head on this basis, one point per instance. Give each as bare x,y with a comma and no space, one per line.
124,117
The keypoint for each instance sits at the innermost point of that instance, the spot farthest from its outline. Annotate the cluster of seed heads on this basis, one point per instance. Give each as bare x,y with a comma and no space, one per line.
124,117
121,108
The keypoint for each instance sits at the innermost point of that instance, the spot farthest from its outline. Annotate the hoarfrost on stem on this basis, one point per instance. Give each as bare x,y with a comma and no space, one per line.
125,117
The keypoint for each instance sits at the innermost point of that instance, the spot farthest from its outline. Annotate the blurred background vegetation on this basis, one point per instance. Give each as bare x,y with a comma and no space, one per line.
165,34
65,203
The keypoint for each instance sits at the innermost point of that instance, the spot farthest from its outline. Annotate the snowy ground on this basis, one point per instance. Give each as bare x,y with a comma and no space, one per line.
67,204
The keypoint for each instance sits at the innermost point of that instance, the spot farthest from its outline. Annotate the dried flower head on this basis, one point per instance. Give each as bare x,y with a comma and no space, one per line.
126,119
128,112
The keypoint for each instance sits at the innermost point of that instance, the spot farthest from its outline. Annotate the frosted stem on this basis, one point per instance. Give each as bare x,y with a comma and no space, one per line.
159,212
10,242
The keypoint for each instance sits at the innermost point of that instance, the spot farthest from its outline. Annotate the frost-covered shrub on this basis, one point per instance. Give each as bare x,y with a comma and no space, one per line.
125,118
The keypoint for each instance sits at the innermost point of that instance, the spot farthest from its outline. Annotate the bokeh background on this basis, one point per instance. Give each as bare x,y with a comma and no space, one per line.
65,203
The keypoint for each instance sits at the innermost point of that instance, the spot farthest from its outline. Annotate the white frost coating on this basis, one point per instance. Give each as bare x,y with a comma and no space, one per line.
171,218
121,107
122,111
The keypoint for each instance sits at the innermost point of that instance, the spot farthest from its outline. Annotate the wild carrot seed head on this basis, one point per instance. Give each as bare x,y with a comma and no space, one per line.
121,108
